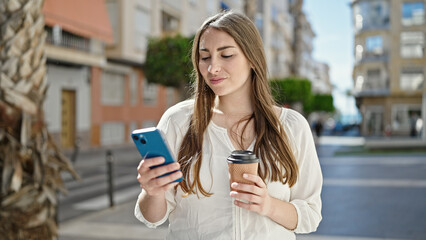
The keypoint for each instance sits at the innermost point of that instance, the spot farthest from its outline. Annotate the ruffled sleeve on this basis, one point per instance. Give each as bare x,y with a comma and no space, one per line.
171,204
306,193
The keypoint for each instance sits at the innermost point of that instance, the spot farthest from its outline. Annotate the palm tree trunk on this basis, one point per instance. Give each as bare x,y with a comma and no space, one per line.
30,162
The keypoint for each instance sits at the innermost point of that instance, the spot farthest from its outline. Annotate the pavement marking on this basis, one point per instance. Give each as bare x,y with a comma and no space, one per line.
412,160
323,237
375,182
342,141
102,202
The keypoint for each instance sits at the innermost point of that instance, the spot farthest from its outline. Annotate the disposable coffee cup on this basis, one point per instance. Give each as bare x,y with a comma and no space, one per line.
240,162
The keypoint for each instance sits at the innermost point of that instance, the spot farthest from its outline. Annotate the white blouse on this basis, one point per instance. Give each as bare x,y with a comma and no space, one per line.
216,217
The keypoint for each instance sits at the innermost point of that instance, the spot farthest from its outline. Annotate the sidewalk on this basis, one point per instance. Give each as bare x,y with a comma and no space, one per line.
119,223
116,223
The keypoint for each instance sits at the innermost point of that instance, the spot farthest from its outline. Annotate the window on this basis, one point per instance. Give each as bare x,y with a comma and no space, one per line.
371,14
170,24
412,79
142,28
150,91
133,88
412,44
259,23
170,92
374,44
373,82
112,88
113,15
274,14
413,13
373,123
373,79
112,133
405,119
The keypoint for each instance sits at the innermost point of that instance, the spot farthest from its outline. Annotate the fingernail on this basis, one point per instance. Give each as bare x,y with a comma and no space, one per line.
245,175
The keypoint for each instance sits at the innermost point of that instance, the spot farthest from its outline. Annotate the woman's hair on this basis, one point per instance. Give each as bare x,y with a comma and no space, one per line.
272,146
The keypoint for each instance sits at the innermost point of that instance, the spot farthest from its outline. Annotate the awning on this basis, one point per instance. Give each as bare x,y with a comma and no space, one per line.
81,17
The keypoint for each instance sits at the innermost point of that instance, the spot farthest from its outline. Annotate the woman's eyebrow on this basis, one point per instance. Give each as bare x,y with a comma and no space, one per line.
219,49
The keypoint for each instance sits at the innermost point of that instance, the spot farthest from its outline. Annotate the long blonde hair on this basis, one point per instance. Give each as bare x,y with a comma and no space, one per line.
272,145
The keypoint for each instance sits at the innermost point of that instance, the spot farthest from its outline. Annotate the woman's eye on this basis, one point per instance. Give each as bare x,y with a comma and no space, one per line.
227,56
204,58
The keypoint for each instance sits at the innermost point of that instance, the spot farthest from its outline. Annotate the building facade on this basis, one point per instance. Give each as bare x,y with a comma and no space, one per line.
77,32
275,24
390,65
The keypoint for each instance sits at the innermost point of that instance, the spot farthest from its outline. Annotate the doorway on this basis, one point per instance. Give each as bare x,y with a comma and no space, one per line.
68,128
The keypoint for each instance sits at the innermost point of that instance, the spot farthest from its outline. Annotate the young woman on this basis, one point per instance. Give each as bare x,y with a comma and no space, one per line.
232,109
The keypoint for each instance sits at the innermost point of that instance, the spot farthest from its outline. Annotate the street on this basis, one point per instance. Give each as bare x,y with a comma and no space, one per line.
381,196
365,197
91,192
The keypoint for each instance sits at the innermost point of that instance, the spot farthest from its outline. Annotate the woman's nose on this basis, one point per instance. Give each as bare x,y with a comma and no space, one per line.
214,67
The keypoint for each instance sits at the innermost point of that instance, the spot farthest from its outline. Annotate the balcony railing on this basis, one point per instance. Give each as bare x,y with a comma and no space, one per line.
373,86
58,37
372,27
373,57
372,93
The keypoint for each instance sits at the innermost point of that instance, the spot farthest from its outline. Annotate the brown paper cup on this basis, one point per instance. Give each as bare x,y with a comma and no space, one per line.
240,162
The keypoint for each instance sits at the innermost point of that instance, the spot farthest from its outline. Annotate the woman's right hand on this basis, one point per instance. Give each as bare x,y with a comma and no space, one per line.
148,178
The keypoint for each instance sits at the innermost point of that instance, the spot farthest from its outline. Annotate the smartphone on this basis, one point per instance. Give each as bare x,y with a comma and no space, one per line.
151,143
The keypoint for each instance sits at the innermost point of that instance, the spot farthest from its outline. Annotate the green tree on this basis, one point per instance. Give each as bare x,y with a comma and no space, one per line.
168,62
323,102
291,90
30,162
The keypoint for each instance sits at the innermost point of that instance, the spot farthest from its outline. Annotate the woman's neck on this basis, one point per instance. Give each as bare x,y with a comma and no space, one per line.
234,106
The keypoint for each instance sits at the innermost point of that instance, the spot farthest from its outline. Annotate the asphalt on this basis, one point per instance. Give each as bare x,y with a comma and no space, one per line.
119,223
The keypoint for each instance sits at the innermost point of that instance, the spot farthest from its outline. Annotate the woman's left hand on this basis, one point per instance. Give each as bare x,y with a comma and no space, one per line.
256,195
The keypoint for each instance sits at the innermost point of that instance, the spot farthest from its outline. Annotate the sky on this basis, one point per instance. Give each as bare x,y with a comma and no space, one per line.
331,20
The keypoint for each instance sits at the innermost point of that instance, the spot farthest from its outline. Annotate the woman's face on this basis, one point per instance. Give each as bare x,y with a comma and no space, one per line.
222,64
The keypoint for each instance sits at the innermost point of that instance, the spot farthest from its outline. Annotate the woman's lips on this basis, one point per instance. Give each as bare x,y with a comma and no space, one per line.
216,80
